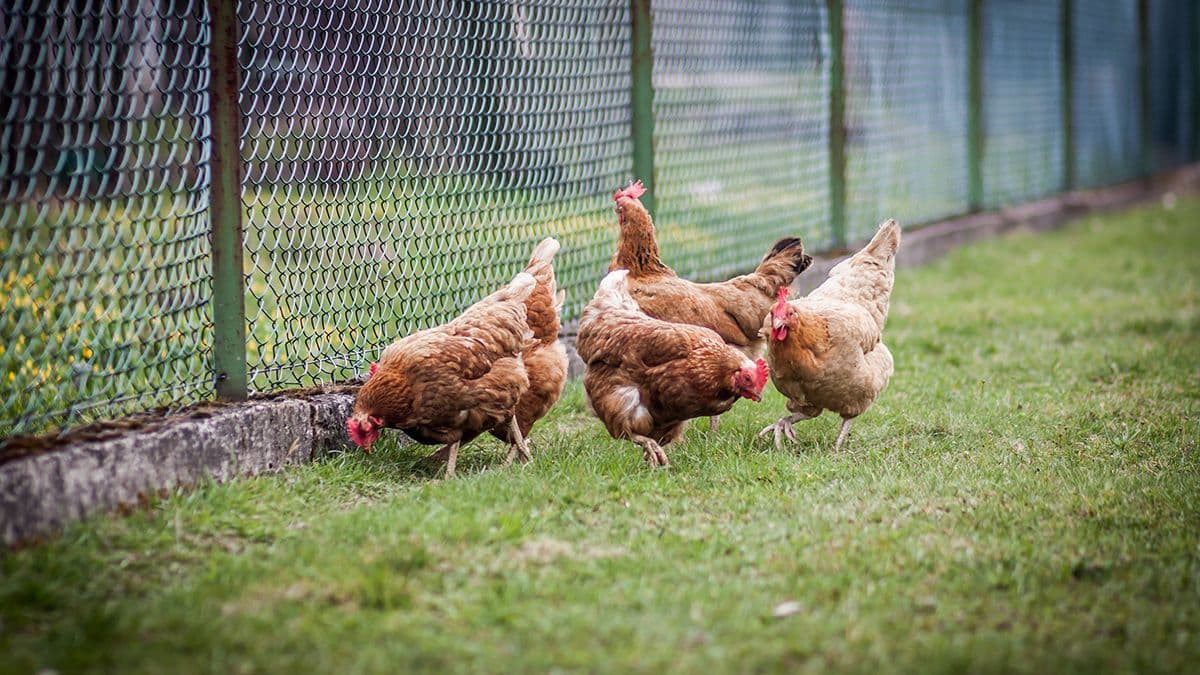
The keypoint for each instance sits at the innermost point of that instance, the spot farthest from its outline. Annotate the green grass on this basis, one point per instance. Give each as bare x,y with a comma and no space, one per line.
1024,497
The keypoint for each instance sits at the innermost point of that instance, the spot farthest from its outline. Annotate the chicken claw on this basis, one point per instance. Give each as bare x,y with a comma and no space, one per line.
781,428
785,427
652,452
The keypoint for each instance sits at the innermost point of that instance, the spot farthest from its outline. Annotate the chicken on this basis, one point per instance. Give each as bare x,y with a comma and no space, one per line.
496,368
826,350
546,359
646,377
734,308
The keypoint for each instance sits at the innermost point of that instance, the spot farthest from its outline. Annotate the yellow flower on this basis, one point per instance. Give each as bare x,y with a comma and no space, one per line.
11,376
87,352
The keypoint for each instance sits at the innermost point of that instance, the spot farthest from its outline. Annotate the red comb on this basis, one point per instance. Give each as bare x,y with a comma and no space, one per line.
635,190
371,372
761,372
782,294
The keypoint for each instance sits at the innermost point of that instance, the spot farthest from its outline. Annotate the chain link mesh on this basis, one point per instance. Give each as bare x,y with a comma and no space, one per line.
403,160
1106,112
1022,101
741,93
103,235
906,112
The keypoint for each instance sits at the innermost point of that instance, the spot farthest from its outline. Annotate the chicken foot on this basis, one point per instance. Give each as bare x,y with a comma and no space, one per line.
784,428
519,448
714,423
652,452
843,433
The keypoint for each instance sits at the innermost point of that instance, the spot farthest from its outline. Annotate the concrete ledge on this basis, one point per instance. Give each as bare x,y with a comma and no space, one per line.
42,491
48,483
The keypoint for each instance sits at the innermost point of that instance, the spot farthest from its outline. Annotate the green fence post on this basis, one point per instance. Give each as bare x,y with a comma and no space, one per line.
975,137
225,206
837,123
1144,94
1068,103
642,100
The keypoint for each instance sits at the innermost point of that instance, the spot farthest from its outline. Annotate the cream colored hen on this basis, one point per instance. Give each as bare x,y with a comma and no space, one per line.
826,350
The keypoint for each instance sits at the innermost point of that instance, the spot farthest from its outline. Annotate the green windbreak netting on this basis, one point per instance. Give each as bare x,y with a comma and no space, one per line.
404,160
1106,120
104,280
1022,101
1174,26
906,112
741,118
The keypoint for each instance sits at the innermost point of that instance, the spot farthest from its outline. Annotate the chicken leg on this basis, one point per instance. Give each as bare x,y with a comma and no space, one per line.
714,423
519,447
842,433
451,458
784,428
652,452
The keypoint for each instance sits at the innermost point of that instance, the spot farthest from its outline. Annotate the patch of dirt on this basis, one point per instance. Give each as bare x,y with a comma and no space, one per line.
545,550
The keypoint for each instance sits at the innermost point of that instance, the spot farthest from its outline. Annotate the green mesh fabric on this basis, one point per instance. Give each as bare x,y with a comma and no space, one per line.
906,112
1022,101
741,94
1107,118
104,275
408,167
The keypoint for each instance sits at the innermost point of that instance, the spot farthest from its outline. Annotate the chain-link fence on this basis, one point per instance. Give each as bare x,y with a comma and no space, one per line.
398,160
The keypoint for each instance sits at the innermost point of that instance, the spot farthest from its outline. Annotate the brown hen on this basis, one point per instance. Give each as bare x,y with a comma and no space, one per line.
646,377
734,309
448,384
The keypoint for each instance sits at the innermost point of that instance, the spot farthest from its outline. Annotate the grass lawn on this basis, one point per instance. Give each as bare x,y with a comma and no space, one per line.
1025,497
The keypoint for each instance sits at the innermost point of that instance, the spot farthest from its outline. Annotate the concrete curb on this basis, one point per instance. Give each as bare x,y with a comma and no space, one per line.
42,492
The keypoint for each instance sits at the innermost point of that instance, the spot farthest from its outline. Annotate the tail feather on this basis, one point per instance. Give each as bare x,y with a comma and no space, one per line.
545,250
785,261
613,292
541,312
866,278
886,241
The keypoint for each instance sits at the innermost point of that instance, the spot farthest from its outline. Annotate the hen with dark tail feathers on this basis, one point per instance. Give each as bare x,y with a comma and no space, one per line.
734,308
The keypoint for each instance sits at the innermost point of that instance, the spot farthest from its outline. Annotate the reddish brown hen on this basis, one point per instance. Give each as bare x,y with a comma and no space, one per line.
734,308
448,384
646,377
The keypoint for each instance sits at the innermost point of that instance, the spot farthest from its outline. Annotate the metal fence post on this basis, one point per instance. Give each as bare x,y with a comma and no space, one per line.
1144,93
225,206
837,123
1068,103
975,137
642,100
